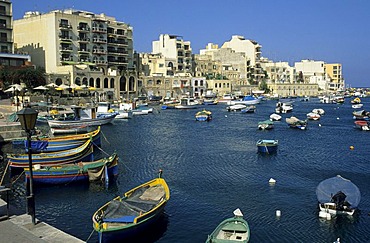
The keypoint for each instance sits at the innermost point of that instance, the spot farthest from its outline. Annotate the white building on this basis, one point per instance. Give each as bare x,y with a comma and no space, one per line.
176,51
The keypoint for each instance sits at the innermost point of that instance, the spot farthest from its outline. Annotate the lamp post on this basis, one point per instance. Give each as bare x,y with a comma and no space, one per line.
27,117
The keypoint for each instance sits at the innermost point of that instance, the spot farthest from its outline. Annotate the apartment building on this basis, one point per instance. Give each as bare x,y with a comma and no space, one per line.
314,72
6,27
252,50
177,52
278,72
334,71
80,47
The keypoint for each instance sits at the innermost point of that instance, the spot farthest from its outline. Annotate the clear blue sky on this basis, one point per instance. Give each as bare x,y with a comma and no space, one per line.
288,30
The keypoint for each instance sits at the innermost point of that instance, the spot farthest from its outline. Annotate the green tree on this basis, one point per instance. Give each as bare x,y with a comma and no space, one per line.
30,76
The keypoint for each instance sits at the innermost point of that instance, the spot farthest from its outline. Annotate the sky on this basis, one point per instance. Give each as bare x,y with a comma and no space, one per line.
288,30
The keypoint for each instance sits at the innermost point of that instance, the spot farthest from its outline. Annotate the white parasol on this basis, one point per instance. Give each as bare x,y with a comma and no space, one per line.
40,88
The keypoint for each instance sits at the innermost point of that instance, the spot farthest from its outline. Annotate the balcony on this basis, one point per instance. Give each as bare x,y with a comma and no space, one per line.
100,62
65,26
98,30
99,41
84,39
99,52
83,50
5,26
65,37
66,49
83,29
9,40
5,13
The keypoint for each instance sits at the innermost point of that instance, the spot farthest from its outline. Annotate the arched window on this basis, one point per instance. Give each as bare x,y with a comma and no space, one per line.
91,82
84,81
106,83
78,81
122,84
158,82
112,83
98,84
131,86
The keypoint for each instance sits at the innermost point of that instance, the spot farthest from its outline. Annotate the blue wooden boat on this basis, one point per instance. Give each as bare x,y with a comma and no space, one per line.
104,168
53,144
130,214
268,146
203,115
81,153
231,230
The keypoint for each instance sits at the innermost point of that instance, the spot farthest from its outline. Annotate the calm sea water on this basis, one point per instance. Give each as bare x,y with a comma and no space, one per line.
212,168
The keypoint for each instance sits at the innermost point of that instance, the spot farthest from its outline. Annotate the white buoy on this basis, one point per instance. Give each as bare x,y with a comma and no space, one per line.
225,115
319,125
337,118
272,181
278,213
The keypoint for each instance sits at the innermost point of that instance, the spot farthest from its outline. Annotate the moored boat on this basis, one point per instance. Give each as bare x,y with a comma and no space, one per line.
102,169
319,111
275,117
265,125
337,195
235,107
361,115
129,214
267,145
81,153
294,122
313,116
362,125
203,115
187,103
283,107
231,230
246,100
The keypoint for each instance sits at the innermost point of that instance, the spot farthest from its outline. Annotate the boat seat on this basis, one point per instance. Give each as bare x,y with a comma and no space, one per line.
123,219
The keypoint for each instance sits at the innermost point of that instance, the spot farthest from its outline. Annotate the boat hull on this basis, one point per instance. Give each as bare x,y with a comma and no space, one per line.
130,214
267,146
70,173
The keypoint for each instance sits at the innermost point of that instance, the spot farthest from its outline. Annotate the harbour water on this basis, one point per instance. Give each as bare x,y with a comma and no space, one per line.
213,167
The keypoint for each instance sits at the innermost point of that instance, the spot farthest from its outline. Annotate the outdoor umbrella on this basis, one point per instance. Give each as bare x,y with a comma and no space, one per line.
40,88
14,87
52,85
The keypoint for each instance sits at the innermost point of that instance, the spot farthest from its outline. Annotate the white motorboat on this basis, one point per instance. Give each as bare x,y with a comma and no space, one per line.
187,103
313,116
235,107
283,107
319,111
275,117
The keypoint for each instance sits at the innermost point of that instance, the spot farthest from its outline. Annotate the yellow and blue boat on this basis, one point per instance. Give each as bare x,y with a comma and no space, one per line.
127,215
104,168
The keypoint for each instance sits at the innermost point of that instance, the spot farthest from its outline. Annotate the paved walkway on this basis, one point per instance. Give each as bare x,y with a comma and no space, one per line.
20,229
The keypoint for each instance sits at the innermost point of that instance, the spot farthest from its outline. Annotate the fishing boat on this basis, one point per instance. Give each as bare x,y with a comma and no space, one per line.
249,109
231,230
361,115
337,196
59,143
203,115
268,146
357,106
313,116
81,153
275,117
265,125
362,125
294,122
356,100
131,213
101,169
235,107
82,123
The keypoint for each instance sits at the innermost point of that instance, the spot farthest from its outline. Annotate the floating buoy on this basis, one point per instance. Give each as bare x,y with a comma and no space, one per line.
278,213
351,147
272,181
225,115
337,118
319,125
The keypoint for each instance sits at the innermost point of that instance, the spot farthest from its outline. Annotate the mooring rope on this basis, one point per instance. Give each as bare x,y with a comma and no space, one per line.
6,169
90,235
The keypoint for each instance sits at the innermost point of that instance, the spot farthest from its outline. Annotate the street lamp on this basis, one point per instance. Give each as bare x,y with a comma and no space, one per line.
27,117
